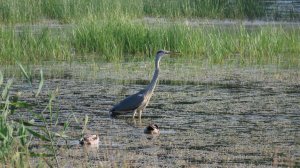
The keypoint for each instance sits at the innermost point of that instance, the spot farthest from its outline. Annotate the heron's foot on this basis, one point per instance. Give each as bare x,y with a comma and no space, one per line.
137,122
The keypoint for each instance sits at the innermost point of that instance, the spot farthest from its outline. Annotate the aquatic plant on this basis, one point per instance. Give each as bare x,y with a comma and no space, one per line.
123,39
17,134
237,45
113,31
65,11
68,11
30,46
220,9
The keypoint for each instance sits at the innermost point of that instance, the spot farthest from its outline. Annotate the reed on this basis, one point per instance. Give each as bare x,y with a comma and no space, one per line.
123,39
65,11
30,47
219,9
18,134
238,45
110,31
68,11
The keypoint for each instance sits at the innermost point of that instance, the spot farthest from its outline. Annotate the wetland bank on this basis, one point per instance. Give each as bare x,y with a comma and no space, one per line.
230,99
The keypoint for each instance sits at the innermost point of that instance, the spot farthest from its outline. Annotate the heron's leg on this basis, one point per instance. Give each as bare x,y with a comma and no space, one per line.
140,114
134,112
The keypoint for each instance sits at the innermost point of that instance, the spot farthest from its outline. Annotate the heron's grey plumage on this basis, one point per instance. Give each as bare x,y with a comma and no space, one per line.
138,102
129,104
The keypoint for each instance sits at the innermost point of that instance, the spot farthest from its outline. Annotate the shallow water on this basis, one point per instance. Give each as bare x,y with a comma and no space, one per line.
208,117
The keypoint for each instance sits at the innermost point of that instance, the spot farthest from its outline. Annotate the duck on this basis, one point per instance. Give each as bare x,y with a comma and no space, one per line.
89,139
151,129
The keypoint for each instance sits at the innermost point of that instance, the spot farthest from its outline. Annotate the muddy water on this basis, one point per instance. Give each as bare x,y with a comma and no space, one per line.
207,116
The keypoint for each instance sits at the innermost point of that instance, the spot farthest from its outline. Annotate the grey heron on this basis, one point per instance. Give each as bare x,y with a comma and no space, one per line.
137,102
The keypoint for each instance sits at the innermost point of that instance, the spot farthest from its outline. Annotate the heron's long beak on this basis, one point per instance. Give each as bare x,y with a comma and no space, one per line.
173,52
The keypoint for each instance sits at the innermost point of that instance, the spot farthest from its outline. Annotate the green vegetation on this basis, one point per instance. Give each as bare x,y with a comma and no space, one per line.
94,40
260,46
68,11
65,11
19,132
31,47
237,9
113,31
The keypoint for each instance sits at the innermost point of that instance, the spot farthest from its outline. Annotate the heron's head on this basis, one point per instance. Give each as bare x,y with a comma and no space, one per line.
160,54
164,52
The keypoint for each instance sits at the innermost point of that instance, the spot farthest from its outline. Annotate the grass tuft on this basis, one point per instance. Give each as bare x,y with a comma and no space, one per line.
17,134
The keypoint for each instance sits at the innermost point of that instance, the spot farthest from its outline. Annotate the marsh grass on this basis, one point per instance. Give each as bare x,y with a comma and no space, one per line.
68,11
18,133
29,46
239,45
126,40
110,31
240,9
65,11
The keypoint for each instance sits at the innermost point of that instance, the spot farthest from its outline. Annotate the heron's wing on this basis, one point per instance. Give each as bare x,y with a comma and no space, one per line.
129,103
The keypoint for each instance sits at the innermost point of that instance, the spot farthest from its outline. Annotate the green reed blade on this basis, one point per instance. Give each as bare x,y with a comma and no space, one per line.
1,78
6,89
27,76
38,135
41,83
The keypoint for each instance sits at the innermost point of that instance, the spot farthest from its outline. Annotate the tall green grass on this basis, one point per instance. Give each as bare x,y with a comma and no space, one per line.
65,11
29,46
18,133
69,11
122,39
109,30
262,45
220,9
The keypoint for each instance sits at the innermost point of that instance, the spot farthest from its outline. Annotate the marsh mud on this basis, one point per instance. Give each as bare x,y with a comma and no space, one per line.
208,117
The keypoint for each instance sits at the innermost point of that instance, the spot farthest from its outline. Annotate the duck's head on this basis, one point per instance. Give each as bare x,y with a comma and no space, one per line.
89,139
151,129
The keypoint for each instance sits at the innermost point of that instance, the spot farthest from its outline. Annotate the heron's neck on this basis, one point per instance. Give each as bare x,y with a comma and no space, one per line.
154,80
